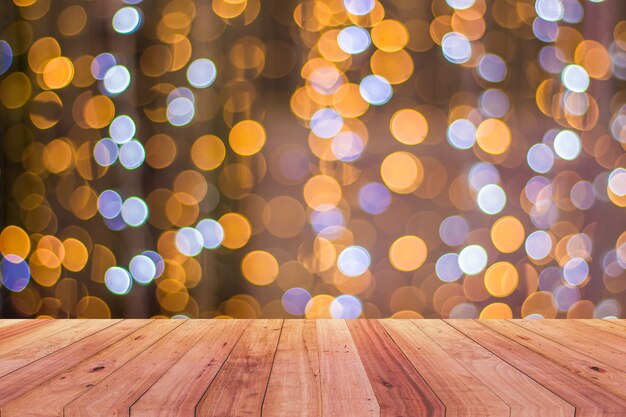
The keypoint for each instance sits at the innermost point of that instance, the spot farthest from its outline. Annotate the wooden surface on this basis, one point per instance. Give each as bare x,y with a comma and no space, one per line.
298,368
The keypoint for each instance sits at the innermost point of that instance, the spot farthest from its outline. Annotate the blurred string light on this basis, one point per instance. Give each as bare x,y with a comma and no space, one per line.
444,171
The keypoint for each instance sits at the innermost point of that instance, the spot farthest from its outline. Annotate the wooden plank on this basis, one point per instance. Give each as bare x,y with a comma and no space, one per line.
240,385
12,328
49,398
462,393
34,345
589,399
621,322
22,380
350,395
528,399
606,326
296,360
400,390
591,342
10,322
180,389
604,375
114,395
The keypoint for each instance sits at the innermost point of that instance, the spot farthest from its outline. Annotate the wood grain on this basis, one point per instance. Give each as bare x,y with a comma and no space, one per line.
592,343
595,371
589,399
25,379
529,399
606,326
180,389
114,395
239,387
462,393
21,350
307,368
399,389
296,360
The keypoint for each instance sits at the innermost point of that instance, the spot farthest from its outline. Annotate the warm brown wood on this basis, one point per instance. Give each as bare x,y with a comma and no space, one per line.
10,322
10,328
400,390
461,392
114,395
589,399
308,368
296,360
595,371
346,390
606,326
239,387
592,343
177,393
25,379
49,398
528,399
28,347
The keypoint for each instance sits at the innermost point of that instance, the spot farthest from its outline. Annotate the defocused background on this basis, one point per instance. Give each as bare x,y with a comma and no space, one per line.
320,158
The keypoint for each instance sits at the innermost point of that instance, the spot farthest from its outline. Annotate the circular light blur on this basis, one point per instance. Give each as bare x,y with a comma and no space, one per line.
575,78
374,198
447,268
540,158
359,7
375,90
122,129
189,241
346,307
132,154
567,145
201,73
326,123
126,20
116,79
491,199
105,152
461,134
212,233
134,211
117,280
456,48
354,261
538,245
472,259
354,39
143,269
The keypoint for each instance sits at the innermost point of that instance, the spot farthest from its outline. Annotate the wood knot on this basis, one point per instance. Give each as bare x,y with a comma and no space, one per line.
597,369
97,368
387,384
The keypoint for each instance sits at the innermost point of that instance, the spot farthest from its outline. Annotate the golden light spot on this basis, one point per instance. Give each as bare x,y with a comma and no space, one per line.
390,35
46,110
72,20
75,255
322,192
41,51
58,156
98,111
160,151
259,267
501,279
92,308
208,152
402,172
493,136
594,57
348,101
58,72
284,217
540,302
408,126
507,234
396,67
247,137
15,90
172,295
496,311
318,307
408,253
14,241
237,230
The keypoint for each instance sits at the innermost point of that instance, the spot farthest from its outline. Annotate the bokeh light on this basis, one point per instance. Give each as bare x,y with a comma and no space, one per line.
364,158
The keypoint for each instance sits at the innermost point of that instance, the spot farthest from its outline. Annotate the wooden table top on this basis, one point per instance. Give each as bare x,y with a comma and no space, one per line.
295,368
